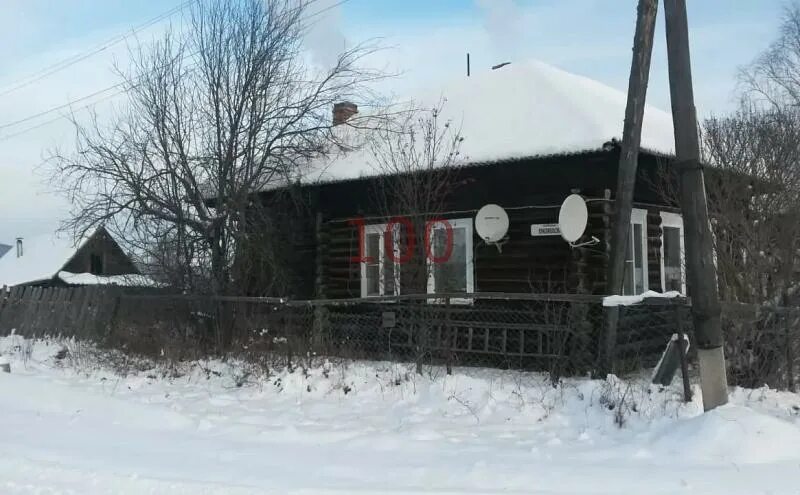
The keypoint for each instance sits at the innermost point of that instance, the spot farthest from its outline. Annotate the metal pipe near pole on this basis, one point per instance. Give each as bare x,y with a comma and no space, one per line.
628,164
701,271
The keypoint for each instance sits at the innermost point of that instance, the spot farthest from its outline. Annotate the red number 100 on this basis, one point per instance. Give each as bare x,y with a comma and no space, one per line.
405,257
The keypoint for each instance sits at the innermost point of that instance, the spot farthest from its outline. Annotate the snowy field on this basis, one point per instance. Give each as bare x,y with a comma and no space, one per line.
375,428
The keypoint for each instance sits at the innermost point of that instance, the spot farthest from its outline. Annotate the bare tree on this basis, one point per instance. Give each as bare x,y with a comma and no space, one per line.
755,202
762,141
753,185
773,79
169,253
216,112
753,178
417,158
267,257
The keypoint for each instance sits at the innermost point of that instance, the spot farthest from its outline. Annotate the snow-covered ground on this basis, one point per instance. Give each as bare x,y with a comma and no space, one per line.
375,428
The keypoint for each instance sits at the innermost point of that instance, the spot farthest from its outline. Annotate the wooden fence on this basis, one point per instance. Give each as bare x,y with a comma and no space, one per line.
82,312
531,331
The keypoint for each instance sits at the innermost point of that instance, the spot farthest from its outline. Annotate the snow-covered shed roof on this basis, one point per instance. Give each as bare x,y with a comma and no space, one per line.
521,110
126,280
44,257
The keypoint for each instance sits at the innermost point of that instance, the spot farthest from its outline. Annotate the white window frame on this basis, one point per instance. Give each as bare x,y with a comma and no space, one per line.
639,217
381,230
673,220
457,223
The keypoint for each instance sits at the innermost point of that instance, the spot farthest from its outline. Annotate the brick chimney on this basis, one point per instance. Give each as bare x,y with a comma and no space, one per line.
343,111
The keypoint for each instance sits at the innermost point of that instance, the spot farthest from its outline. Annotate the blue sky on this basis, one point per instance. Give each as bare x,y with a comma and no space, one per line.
425,40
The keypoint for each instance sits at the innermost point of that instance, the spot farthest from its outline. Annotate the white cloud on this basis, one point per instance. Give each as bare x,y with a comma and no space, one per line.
504,21
324,38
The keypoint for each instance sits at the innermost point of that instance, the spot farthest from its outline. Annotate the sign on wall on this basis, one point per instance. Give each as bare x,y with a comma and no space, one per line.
540,229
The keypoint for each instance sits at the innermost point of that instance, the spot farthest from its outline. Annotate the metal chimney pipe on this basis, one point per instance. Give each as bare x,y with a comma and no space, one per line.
19,247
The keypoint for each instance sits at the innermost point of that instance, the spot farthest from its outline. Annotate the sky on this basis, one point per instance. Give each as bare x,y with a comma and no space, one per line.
424,41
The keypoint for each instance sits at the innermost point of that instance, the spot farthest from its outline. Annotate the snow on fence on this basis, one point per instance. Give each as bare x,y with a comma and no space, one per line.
557,333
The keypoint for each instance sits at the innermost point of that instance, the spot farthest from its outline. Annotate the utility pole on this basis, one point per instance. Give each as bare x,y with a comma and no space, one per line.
702,274
628,164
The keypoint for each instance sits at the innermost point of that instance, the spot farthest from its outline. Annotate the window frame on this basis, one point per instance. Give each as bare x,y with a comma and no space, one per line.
675,221
380,229
638,217
455,223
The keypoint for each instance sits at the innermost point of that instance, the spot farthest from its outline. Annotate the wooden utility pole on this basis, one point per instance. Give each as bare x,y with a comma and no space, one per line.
628,164
702,274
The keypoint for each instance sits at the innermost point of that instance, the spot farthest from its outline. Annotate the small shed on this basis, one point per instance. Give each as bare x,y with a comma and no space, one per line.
57,260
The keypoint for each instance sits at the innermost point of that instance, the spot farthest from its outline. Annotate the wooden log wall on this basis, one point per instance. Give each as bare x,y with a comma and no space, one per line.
654,249
526,264
654,241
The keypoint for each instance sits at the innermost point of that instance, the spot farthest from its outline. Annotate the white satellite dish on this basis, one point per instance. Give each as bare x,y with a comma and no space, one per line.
491,223
573,217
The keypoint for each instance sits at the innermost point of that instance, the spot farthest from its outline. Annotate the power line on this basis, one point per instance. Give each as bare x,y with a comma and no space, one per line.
60,107
105,90
330,7
63,64
60,117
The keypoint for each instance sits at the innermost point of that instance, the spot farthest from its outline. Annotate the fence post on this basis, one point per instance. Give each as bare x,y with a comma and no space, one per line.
320,326
111,321
290,334
421,330
687,387
789,353
448,338
609,339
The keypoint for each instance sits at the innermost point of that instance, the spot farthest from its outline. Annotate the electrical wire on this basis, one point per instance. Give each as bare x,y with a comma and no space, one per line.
104,90
60,107
6,137
70,61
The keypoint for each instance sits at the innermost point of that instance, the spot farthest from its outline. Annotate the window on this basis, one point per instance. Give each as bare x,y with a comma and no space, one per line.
673,264
380,275
96,264
453,271
636,255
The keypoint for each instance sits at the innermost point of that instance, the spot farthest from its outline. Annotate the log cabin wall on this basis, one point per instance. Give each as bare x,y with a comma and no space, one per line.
531,190
283,239
526,264
654,249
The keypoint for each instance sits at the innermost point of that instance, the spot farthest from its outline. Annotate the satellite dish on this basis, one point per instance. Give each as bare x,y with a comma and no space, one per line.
572,218
491,223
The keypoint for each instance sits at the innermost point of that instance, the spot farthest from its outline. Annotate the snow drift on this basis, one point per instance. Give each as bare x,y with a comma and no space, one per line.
70,426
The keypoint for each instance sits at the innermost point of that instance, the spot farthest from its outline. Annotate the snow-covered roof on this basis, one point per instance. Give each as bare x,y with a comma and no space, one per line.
128,280
521,110
42,257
